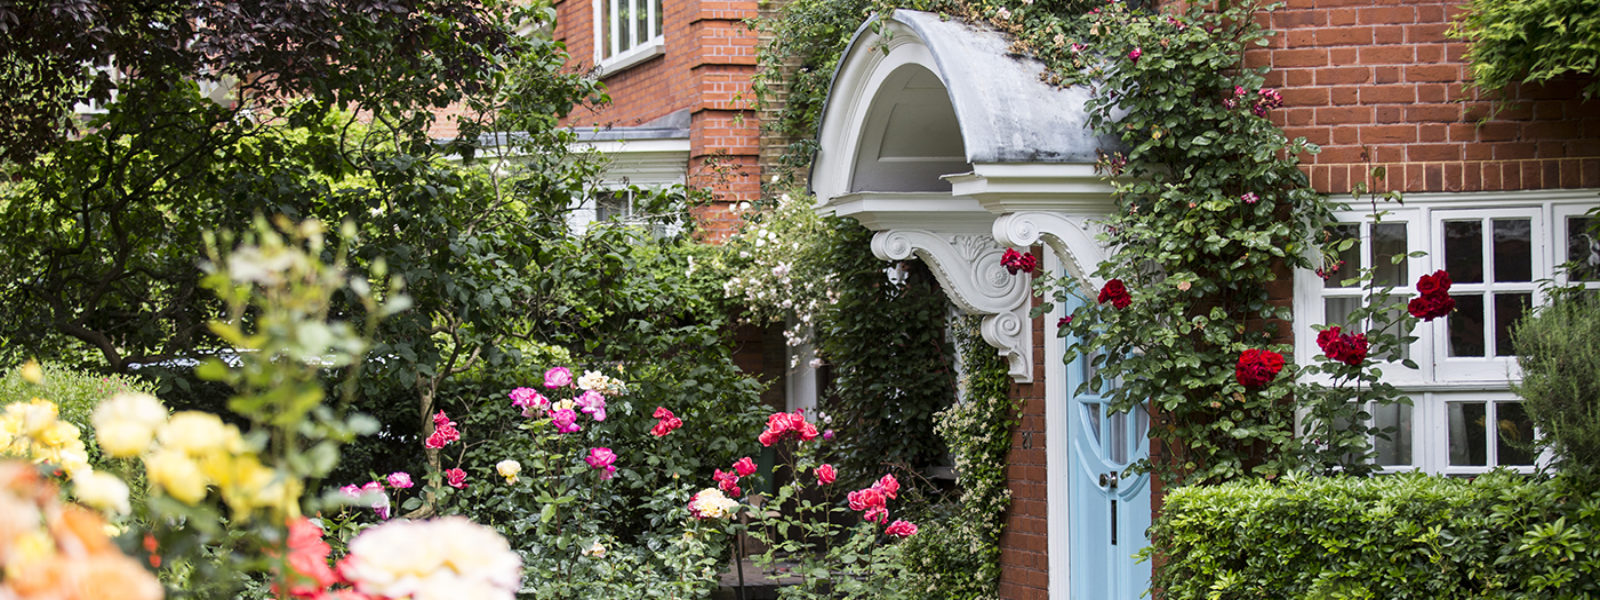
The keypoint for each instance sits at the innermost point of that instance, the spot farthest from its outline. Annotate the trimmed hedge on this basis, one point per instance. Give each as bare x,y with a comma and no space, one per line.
1398,536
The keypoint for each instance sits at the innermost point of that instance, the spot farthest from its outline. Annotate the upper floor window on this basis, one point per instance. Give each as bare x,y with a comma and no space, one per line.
627,32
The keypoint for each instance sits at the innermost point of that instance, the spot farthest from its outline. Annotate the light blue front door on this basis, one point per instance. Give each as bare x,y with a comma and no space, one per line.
1109,506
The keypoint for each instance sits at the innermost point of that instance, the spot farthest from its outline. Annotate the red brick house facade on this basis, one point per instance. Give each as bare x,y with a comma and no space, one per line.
1374,84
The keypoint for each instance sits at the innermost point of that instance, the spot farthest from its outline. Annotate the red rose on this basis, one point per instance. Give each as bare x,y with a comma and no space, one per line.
457,478
1015,262
888,485
1115,293
1343,347
1431,306
1257,367
1438,282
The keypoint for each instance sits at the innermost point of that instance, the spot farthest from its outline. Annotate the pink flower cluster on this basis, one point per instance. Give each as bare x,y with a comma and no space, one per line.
444,432
728,481
782,425
1266,100
1434,300
1016,262
666,422
874,500
603,459
530,401
593,404
1343,347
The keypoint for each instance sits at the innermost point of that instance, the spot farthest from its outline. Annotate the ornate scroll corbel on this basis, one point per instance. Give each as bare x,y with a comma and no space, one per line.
1071,239
969,269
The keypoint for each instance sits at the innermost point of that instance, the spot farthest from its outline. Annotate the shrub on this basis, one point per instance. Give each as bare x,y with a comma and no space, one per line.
1561,376
1402,536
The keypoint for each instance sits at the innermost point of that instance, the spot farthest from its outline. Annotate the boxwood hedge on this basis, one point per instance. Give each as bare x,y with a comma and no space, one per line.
1500,535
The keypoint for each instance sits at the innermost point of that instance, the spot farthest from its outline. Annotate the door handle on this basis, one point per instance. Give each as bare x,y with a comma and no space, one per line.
1108,480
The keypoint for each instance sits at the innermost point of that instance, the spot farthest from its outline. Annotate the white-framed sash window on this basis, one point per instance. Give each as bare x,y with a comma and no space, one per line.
1500,249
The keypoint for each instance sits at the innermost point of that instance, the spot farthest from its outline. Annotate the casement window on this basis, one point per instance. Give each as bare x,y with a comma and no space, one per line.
626,32
1499,248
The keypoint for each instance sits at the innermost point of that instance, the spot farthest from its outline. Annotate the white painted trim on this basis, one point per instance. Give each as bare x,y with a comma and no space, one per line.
1070,188
679,145
631,57
968,268
936,211
854,89
1058,464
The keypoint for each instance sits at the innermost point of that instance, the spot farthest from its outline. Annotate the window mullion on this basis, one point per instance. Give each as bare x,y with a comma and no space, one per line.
616,27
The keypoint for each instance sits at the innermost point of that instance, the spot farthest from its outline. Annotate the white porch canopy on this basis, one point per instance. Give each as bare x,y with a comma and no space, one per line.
951,149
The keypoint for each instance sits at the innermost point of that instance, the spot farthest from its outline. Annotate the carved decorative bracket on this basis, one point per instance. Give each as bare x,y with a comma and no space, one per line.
968,266
1071,238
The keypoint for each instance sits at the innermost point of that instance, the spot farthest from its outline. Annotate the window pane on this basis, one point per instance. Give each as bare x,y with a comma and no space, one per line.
1466,326
1336,311
1467,443
1393,443
611,205
1349,261
1091,412
1508,308
1513,250
1514,434
641,16
1463,251
1388,241
656,4
1117,438
1583,248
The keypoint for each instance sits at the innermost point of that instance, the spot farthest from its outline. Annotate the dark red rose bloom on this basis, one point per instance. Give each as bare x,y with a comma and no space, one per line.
1015,261
1115,293
1343,347
1258,367
1431,306
1438,282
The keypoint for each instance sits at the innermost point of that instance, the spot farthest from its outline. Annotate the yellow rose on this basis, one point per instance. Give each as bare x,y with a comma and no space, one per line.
102,491
195,432
125,424
30,419
125,439
59,434
508,469
177,474
31,372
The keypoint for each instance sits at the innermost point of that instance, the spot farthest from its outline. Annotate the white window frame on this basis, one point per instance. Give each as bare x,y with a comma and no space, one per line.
611,54
1439,379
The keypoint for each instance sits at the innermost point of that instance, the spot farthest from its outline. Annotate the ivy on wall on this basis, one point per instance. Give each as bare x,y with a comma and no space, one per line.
1531,41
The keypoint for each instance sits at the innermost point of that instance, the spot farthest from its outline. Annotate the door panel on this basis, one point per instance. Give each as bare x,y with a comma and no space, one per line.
1109,506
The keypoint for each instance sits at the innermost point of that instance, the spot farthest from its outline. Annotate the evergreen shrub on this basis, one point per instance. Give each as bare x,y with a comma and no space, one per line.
1561,377
1500,535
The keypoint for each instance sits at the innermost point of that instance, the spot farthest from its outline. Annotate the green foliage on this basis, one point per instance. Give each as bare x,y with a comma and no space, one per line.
797,64
956,552
820,273
1531,41
1561,377
1210,206
1402,536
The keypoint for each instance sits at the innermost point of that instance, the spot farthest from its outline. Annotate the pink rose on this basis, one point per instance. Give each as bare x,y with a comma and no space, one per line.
565,420
901,529
602,458
399,480
457,478
529,400
888,485
444,432
727,482
1134,54
825,474
745,467
592,404
557,377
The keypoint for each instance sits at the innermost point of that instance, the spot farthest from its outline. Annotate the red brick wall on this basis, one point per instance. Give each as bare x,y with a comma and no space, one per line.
709,60
1381,79
1024,558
